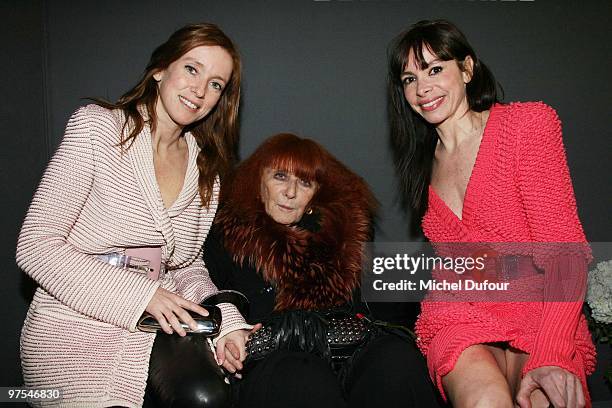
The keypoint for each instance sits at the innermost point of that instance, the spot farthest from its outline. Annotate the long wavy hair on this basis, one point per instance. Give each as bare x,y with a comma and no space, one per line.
413,139
217,133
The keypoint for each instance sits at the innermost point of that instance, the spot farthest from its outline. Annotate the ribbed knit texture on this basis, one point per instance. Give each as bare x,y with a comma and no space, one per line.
519,191
80,331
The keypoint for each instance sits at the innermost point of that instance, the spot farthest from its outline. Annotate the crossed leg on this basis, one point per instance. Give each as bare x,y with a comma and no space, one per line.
488,375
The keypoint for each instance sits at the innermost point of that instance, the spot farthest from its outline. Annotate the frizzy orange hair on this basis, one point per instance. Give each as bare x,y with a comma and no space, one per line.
312,266
302,157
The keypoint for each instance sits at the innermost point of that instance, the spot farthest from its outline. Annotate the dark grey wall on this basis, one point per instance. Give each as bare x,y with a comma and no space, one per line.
318,68
24,155
312,67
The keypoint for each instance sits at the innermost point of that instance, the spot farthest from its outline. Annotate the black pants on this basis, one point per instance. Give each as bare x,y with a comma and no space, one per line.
389,372
183,373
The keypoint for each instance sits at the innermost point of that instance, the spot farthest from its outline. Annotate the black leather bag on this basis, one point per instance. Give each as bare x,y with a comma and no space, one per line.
332,334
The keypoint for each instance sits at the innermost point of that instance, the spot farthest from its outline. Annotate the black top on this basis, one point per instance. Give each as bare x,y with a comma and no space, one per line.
227,274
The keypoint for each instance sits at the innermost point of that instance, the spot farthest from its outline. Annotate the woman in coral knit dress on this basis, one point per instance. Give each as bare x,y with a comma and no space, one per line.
481,171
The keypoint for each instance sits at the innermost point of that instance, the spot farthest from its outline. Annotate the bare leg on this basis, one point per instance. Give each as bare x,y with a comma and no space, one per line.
478,379
515,360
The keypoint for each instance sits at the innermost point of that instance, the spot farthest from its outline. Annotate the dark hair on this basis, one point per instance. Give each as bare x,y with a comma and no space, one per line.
217,133
413,139
306,159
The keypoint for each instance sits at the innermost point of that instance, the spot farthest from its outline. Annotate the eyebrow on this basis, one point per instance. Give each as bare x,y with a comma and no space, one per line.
200,65
433,61
195,61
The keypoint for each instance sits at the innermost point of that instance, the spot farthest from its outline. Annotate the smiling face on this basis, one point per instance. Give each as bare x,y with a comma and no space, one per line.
285,196
191,86
437,92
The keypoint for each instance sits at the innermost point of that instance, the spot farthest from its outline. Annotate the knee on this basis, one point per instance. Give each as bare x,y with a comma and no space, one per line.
488,396
208,391
490,400
183,373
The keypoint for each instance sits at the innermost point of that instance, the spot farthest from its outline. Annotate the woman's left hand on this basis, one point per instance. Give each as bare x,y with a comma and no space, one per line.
231,350
562,388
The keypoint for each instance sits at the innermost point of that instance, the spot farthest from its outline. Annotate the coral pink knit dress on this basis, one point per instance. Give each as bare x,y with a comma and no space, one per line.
519,191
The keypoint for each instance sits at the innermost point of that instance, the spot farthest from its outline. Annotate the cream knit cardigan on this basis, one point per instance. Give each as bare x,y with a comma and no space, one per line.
80,331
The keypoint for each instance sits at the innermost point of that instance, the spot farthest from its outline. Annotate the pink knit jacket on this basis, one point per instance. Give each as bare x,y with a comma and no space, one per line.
519,191
80,331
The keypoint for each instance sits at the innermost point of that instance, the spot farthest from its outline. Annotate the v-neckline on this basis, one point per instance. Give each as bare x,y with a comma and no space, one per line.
477,170
143,146
190,179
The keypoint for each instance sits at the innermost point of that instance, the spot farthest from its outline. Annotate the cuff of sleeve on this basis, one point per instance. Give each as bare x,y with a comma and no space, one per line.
551,358
142,306
168,283
226,330
232,320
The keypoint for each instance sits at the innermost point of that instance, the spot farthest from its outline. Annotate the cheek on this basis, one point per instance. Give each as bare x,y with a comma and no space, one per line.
311,195
410,95
264,193
163,94
169,84
451,80
305,199
269,194
407,94
214,99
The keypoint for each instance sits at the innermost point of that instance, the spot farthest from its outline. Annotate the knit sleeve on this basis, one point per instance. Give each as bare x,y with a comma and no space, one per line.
194,283
550,207
78,280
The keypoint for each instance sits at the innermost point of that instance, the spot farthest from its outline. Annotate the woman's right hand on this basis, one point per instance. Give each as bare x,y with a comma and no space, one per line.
231,349
170,310
562,388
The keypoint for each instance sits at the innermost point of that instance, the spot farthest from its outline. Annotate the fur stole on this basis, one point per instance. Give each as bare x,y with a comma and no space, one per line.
311,268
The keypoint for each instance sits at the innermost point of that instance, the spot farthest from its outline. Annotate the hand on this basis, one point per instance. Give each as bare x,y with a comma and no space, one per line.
231,350
168,308
562,388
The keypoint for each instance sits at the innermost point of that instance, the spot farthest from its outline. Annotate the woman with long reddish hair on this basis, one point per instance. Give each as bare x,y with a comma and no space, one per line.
290,235
141,174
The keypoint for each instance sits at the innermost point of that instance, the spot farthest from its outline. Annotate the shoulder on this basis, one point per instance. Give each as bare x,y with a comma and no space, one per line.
532,114
105,119
531,123
98,122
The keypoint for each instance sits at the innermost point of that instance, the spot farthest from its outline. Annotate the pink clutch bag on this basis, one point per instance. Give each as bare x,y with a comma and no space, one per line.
150,254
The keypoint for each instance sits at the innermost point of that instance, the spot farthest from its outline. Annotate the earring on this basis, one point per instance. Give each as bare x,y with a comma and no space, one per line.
309,211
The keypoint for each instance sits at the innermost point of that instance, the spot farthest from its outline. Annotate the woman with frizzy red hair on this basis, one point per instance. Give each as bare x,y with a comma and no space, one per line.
483,172
139,176
290,235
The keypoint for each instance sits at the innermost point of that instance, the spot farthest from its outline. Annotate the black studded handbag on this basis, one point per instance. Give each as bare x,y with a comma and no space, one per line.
331,334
